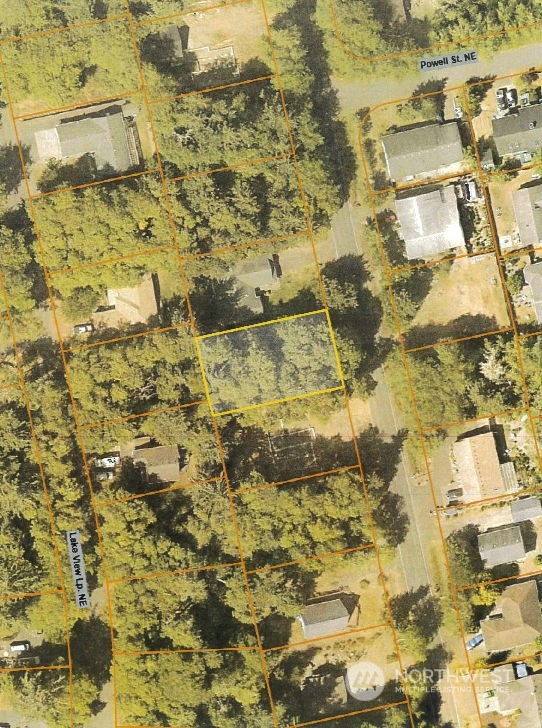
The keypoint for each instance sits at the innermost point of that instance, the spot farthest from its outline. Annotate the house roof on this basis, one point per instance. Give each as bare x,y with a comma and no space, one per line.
526,508
324,618
516,620
478,467
514,134
533,277
501,545
523,695
527,203
429,221
161,461
135,304
102,134
423,149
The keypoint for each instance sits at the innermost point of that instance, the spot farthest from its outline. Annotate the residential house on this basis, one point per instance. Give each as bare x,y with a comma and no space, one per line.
429,220
519,134
324,618
501,545
516,619
423,150
533,277
514,695
478,470
526,509
104,133
134,304
527,202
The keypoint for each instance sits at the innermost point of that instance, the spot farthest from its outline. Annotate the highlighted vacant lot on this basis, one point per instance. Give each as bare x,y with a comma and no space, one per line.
269,362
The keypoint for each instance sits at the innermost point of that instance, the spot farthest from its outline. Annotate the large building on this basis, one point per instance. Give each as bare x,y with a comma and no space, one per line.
516,619
429,219
478,470
103,133
533,277
527,203
424,150
519,134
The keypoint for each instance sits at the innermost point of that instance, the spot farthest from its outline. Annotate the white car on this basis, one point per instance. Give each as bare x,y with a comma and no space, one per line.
107,461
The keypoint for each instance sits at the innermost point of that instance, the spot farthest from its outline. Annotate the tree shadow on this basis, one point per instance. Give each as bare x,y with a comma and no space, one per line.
464,326
337,154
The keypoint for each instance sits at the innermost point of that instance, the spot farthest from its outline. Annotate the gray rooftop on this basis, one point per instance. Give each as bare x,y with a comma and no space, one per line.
525,509
429,220
324,618
423,149
528,212
519,132
501,546
533,277
103,134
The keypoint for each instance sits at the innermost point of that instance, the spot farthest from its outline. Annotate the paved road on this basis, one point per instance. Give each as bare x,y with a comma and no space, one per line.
354,95
417,499
343,231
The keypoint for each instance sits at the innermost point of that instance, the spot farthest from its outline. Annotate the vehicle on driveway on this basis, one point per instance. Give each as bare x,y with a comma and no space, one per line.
475,641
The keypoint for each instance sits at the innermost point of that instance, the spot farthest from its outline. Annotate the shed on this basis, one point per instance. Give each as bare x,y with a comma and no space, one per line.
525,509
324,618
501,545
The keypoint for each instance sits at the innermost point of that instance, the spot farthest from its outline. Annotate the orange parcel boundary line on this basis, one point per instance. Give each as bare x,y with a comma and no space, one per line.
322,721
40,668
149,413
191,315
502,413
39,461
174,572
95,183
347,401
76,106
212,89
415,411
200,11
508,298
508,661
459,340
237,411
237,165
109,261
70,392
14,385
429,181
414,51
28,595
128,337
315,557
185,651
503,497
62,29
170,489
300,478
488,582
243,246
431,263
329,637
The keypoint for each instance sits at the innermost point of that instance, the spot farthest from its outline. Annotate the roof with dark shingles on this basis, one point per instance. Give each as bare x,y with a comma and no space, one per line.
422,149
513,133
501,546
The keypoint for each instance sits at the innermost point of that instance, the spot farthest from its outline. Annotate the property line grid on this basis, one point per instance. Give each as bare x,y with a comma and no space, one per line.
300,478
138,415
127,337
314,557
62,28
170,489
211,89
109,261
96,183
195,11
227,168
76,106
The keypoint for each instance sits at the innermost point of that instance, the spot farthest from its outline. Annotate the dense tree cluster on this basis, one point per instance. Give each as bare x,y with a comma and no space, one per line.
29,16
268,363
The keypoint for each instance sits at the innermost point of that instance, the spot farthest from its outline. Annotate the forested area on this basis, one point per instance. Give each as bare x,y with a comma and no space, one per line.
373,28
133,218
267,363
32,16
134,376
72,66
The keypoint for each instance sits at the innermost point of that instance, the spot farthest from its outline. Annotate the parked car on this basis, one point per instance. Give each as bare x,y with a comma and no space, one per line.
107,461
502,103
475,641
19,646
511,97
83,329
458,109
